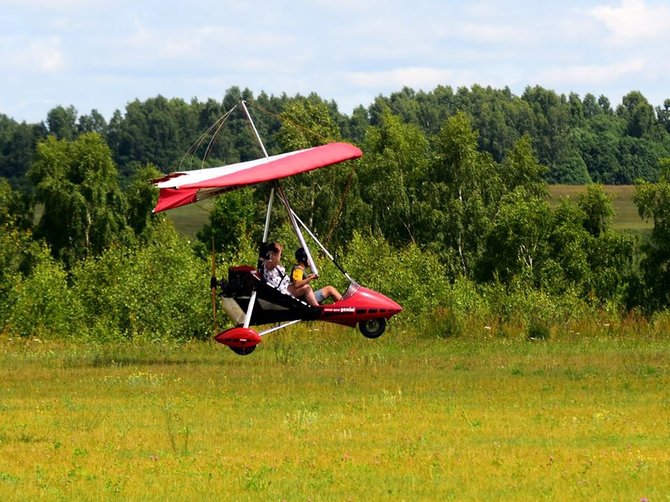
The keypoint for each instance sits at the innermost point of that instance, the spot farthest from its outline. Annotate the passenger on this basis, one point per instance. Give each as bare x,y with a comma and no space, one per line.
300,287
273,272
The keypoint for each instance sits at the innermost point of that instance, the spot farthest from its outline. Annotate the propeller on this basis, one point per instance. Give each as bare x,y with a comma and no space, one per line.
212,285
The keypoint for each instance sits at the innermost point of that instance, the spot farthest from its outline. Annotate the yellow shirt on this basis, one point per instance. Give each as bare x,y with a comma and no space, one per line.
298,273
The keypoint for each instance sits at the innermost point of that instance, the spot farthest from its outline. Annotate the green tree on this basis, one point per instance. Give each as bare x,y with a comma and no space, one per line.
20,254
464,185
638,160
62,122
15,207
521,169
517,242
84,209
653,203
17,150
663,115
598,142
42,305
638,114
306,123
392,170
156,289
157,131
141,196
237,217
356,127
551,126
597,206
326,199
94,122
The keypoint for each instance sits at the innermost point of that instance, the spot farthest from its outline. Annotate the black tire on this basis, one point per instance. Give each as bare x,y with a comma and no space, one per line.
243,351
373,328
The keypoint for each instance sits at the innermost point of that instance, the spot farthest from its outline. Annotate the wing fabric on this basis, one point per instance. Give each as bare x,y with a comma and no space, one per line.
178,189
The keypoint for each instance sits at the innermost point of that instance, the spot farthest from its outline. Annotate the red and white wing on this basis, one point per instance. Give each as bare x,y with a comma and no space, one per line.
181,188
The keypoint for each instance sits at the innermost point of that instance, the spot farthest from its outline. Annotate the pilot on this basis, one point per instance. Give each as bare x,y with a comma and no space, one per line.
273,272
300,287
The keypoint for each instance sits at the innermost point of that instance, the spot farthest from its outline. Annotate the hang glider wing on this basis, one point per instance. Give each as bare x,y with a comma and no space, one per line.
181,188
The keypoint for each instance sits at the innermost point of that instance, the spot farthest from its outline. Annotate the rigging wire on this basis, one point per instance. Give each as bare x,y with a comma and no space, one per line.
340,208
212,130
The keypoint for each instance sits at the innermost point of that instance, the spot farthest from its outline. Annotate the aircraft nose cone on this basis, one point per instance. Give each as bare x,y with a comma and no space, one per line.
377,302
392,306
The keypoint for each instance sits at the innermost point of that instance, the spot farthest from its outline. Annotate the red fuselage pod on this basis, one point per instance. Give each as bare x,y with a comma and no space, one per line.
239,338
359,304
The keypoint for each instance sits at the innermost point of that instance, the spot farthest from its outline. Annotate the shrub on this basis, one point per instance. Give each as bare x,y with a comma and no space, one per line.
412,277
158,290
43,306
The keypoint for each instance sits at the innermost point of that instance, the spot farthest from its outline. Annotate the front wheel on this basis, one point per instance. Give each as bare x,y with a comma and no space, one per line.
372,328
243,351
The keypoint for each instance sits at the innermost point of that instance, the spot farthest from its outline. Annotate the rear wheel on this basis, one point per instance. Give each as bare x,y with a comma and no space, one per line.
372,328
243,351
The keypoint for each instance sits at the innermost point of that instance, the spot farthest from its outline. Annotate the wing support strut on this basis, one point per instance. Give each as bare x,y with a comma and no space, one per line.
296,228
323,248
285,325
252,300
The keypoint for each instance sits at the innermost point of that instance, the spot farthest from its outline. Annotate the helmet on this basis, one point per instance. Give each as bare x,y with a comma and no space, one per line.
301,255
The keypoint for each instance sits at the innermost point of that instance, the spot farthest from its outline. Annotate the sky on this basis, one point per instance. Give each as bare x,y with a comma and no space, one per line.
103,54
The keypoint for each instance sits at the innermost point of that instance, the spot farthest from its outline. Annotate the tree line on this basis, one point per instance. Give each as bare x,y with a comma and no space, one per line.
441,212
580,140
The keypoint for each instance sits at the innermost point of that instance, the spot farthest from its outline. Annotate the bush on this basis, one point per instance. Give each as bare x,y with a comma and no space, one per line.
156,291
412,277
43,306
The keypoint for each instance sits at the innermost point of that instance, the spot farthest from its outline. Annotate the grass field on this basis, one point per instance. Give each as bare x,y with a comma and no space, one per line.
189,219
321,413
626,217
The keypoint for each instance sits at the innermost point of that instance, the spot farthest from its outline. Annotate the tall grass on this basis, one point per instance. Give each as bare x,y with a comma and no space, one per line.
319,412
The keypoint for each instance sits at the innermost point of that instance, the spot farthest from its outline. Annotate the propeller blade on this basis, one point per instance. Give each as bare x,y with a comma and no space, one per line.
213,286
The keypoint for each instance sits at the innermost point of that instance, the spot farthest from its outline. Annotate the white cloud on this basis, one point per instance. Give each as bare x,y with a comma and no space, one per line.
215,44
592,75
482,33
425,78
634,20
40,55
106,53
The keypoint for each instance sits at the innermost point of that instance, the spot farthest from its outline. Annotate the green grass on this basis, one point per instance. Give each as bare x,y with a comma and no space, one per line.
320,413
626,217
190,218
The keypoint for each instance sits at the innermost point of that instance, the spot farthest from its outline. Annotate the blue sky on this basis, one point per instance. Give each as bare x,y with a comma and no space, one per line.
102,54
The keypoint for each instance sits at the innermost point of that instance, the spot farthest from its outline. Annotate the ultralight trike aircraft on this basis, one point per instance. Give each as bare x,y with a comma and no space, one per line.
247,298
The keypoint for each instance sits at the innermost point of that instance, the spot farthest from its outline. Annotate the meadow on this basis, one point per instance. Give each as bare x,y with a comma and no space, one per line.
626,217
321,413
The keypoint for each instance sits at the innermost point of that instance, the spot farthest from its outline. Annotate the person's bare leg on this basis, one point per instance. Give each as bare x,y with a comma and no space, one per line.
328,291
310,298
306,292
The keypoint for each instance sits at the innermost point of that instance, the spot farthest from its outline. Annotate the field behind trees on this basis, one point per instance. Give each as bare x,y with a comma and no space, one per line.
189,219
626,216
323,413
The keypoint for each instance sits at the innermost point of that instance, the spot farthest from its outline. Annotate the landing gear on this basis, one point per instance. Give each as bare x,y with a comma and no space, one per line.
243,351
241,340
372,328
